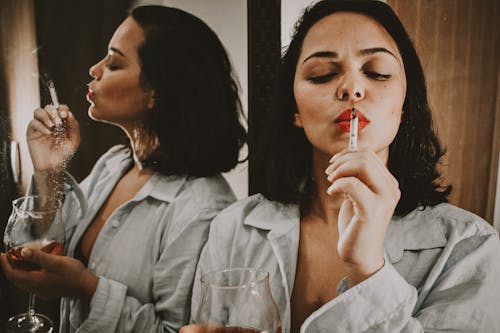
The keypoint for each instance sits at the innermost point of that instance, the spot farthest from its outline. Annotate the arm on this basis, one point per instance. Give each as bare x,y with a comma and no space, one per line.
112,309
379,299
463,296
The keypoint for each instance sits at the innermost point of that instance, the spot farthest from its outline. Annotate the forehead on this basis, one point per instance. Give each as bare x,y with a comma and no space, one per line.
344,30
128,36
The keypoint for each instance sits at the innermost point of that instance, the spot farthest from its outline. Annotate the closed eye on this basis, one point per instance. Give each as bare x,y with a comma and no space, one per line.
378,76
112,67
322,78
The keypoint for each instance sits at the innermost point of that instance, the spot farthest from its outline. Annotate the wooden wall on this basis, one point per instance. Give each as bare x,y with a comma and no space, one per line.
458,44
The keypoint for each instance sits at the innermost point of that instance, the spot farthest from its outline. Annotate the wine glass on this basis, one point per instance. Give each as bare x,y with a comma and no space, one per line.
36,223
237,300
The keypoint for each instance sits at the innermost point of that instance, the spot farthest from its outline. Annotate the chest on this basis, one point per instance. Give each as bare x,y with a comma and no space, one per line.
125,190
319,270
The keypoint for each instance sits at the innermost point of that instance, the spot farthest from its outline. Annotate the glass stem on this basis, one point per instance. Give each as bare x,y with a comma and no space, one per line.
31,306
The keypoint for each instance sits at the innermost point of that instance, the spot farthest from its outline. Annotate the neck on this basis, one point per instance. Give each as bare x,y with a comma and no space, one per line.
142,143
323,205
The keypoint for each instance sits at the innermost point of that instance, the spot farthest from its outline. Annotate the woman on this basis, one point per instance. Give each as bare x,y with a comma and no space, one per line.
358,241
168,84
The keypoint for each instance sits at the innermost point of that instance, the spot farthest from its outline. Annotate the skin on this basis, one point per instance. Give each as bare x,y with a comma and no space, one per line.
119,99
347,60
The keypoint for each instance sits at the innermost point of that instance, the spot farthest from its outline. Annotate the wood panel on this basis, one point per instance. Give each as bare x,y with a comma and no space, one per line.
458,45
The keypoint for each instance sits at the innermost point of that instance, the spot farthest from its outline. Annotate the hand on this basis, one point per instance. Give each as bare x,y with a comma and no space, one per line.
197,328
372,194
53,137
60,276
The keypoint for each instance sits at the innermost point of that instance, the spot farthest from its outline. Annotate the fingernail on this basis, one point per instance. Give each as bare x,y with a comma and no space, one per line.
50,124
330,189
329,169
26,252
333,157
63,114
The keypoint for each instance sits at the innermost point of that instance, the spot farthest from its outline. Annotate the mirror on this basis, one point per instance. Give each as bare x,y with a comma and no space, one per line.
63,40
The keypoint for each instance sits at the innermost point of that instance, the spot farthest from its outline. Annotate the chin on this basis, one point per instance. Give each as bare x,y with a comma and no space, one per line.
94,113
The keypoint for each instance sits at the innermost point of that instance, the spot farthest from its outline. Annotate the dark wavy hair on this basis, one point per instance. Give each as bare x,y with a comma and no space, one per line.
197,112
286,154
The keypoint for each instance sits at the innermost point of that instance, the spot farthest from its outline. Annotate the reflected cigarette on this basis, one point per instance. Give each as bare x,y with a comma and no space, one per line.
53,95
55,102
353,131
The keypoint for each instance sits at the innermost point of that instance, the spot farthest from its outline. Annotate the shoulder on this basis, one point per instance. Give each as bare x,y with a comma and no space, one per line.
207,191
256,212
113,159
441,226
455,220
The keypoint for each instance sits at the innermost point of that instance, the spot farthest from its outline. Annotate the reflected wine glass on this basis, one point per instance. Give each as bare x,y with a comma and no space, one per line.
237,300
36,223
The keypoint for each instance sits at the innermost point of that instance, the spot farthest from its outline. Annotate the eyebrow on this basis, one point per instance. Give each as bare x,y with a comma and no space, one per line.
363,52
322,54
374,50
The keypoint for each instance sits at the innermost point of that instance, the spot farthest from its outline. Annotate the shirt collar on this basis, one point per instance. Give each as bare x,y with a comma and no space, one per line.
417,230
165,188
121,158
273,216
160,187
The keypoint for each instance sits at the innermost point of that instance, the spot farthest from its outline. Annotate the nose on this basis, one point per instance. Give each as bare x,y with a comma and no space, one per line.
350,89
96,70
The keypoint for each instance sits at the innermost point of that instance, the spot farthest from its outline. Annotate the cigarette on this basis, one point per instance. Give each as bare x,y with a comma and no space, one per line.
353,131
55,102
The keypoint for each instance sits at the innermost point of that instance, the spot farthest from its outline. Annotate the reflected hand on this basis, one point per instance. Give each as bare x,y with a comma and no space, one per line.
197,328
371,195
53,137
60,276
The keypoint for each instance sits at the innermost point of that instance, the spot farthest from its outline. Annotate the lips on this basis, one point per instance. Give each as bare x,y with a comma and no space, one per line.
343,120
90,96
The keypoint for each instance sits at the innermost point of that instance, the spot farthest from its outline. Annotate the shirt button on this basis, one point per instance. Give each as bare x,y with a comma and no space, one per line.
115,224
92,265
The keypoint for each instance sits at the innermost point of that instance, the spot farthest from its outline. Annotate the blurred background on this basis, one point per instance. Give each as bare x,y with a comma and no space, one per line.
456,40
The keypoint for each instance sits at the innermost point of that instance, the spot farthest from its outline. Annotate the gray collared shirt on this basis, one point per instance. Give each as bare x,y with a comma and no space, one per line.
146,253
440,275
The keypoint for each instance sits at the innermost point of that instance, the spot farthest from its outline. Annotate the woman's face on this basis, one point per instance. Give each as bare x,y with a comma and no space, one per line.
116,95
349,60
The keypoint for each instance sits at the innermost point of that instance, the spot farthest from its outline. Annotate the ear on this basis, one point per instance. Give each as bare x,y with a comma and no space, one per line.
297,121
150,96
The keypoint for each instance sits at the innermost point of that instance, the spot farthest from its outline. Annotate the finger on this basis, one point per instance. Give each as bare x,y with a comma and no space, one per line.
4,263
63,111
364,164
345,215
73,128
42,116
361,196
363,170
340,153
344,156
20,278
38,126
40,258
51,110
190,329
7,267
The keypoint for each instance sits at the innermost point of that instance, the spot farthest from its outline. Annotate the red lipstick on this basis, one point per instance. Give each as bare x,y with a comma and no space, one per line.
343,120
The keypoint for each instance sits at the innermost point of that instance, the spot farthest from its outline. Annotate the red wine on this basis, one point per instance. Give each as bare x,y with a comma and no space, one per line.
16,259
